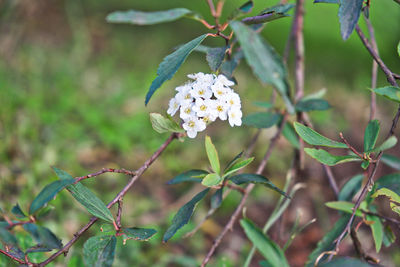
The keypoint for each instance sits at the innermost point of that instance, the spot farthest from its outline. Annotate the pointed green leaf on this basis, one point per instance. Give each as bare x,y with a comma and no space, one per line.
16,210
268,248
266,17
327,242
316,95
365,164
387,193
183,215
345,262
349,13
390,181
215,56
211,179
243,9
229,65
264,61
350,188
388,236
86,197
390,92
387,144
313,138
326,1
212,155
343,206
43,236
238,165
245,178
171,64
233,161
99,251
141,234
377,231
216,199
189,176
371,135
162,124
329,159
6,237
312,104
261,119
147,18
290,134
48,193
391,161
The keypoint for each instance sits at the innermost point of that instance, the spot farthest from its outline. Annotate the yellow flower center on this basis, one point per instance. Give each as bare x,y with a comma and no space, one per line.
191,124
203,107
188,110
188,96
201,92
220,108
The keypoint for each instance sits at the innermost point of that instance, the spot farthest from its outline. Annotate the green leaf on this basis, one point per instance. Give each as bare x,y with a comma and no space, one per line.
245,178
345,262
228,66
316,95
390,181
238,165
387,193
290,134
264,61
377,231
17,211
326,1
327,242
183,215
281,8
48,193
216,199
268,248
211,179
233,161
171,64
99,251
141,234
349,13
266,17
387,144
87,198
189,176
398,49
162,124
243,9
312,104
7,238
261,119
313,138
215,56
212,155
388,236
391,161
43,236
371,135
390,92
350,188
261,104
343,206
147,18
329,159
365,164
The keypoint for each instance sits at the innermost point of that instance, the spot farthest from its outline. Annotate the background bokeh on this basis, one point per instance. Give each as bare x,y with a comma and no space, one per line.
72,93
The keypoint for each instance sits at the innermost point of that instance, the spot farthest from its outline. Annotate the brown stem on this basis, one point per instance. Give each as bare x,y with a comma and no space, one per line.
331,179
248,189
13,224
104,170
119,213
212,7
299,49
14,258
117,198
351,147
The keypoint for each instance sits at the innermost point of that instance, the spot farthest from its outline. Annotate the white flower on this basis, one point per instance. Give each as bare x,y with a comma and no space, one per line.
203,107
201,89
233,100
203,78
219,90
235,117
184,87
221,108
173,106
184,96
222,79
193,125
186,111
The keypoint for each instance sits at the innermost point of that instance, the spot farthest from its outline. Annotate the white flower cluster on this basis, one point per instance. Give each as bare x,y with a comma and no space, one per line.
205,99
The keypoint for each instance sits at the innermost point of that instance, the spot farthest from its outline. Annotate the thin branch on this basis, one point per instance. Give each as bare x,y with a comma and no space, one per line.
13,257
331,180
119,213
248,189
350,146
104,170
299,50
117,198
13,224
212,7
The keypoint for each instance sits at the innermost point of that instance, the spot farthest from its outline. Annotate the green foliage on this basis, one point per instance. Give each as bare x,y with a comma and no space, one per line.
390,181
393,197
215,56
326,1
243,9
377,231
7,238
147,18
188,176
371,135
349,13
345,206
216,199
345,262
261,119
141,234
268,248
245,178
387,144
99,251
171,63
391,161
162,125
48,193
329,159
390,92
313,138
211,179
183,215
289,133
311,105
350,188
237,166
212,155
86,197
17,211
264,61
43,236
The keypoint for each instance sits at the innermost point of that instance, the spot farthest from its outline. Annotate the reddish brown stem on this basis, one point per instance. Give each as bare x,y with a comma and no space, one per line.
351,147
13,257
104,170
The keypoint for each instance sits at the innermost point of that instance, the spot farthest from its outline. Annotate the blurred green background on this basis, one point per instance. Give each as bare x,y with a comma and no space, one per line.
72,96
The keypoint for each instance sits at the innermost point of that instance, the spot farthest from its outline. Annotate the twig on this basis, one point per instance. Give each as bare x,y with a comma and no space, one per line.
299,50
119,213
117,198
350,146
13,224
212,7
248,189
331,179
14,258
104,170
